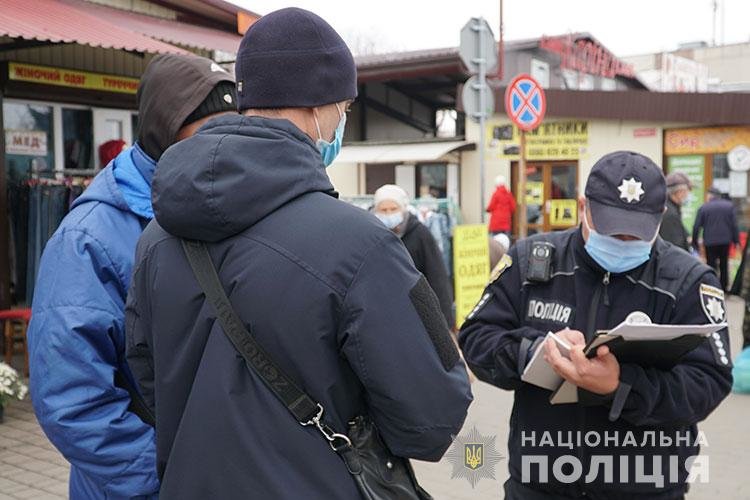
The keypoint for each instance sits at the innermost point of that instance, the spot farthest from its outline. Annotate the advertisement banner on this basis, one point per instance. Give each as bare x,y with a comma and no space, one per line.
71,78
471,267
698,141
550,141
694,168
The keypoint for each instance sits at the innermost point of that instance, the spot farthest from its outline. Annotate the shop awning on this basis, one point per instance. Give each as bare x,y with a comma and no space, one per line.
57,22
400,152
187,35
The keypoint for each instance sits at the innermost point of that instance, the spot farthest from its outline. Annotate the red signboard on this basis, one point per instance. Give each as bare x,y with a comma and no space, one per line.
587,56
644,132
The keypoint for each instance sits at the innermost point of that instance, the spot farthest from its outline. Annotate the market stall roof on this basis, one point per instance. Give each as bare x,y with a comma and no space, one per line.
400,152
170,31
44,22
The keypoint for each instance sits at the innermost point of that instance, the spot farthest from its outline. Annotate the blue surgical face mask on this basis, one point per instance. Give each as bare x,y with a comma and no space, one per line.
330,150
614,255
391,221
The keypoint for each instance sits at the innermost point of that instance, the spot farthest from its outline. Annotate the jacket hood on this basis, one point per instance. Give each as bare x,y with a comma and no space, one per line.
234,172
104,189
411,223
172,87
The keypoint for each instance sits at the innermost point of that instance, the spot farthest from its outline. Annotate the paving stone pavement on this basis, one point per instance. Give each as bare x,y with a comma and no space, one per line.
31,468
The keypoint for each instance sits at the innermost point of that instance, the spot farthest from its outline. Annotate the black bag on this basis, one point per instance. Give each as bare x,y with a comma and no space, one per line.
378,473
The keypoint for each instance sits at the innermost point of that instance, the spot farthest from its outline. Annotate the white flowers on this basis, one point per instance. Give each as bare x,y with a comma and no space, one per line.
10,384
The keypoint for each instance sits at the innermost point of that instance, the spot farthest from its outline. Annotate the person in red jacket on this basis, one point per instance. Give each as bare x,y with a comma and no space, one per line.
501,208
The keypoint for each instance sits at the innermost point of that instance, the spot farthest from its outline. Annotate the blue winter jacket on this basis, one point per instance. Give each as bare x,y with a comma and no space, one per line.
327,290
77,337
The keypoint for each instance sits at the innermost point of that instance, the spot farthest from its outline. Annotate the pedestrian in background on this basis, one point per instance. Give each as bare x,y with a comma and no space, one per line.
672,229
718,222
329,294
499,245
501,208
391,207
82,389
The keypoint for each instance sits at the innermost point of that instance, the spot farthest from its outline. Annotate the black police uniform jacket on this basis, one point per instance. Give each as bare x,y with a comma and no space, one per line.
326,289
514,313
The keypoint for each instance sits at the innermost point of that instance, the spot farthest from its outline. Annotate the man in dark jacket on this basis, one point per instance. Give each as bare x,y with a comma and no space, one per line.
672,229
325,289
82,389
391,207
632,433
718,222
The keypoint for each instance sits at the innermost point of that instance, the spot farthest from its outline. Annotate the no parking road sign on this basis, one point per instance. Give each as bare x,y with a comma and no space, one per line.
525,102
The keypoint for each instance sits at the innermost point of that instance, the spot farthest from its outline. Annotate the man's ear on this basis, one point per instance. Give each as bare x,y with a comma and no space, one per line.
581,204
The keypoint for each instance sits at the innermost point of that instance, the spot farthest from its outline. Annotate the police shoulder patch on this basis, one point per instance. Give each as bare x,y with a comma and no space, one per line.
504,263
712,302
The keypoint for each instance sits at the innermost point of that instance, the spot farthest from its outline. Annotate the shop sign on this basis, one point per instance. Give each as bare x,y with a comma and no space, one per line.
587,56
26,142
71,78
697,141
563,212
567,140
694,168
471,266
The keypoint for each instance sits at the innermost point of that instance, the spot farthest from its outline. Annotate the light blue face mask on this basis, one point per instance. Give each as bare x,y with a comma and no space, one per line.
391,221
614,255
330,150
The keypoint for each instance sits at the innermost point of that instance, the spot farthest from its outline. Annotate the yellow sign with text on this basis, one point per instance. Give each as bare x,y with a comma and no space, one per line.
550,141
471,267
705,140
71,78
534,193
563,212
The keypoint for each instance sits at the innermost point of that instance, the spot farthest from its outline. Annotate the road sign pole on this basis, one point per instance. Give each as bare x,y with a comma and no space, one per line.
522,216
482,117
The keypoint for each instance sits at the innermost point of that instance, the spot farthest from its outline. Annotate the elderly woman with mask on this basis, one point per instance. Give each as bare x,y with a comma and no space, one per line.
391,207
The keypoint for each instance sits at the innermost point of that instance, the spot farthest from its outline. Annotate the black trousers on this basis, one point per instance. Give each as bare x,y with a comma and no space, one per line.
717,256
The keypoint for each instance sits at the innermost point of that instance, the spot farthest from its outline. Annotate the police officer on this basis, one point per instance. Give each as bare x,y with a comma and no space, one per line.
591,278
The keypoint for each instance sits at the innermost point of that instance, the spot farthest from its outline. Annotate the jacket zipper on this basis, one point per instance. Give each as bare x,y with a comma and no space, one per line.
589,334
605,281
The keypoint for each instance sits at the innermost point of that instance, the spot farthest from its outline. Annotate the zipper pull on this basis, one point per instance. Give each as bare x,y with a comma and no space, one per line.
605,280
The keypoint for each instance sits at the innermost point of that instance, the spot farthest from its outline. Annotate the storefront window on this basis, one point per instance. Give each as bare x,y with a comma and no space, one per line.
29,140
720,173
78,138
432,181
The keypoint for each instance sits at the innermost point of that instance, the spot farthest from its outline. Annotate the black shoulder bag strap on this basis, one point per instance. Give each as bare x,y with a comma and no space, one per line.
305,410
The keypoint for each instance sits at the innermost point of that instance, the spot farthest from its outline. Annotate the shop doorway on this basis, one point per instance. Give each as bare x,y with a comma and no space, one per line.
551,195
111,124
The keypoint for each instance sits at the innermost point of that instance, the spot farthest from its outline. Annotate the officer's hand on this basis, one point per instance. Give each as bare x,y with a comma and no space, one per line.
600,375
572,337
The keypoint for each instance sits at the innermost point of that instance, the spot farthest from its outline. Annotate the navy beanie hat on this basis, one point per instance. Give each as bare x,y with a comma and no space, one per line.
291,58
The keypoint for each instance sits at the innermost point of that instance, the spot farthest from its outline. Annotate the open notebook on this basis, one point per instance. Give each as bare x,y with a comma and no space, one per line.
636,340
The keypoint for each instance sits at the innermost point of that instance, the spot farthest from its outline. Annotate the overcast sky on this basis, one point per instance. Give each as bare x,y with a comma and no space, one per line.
625,27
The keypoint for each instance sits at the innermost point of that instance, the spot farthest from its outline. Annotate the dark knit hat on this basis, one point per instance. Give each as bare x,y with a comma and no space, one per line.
291,58
221,99
172,87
